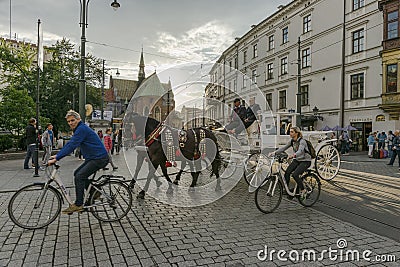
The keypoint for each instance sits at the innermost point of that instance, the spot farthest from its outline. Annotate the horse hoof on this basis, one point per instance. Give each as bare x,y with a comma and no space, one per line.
176,182
170,191
141,195
158,183
218,188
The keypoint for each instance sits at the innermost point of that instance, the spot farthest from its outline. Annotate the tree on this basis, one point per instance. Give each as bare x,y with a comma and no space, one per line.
16,109
59,81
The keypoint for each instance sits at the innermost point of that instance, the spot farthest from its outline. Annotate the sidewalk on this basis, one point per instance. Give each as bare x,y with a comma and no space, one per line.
228,232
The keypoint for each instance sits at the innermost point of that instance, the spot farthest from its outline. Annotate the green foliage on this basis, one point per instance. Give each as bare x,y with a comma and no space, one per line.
6,142
17,108
58,88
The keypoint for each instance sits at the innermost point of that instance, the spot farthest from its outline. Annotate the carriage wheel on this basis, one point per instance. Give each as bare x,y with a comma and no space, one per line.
327,163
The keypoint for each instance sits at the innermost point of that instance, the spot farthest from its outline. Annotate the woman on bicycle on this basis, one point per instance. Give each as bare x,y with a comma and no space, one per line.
301,158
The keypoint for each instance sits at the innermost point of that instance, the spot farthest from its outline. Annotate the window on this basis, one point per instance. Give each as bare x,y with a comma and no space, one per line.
268,99
391,78
236,63
284,65
358,4
393,24
285,35
255,51
230,65
357,86
244,56
270,71
304,95
306,58
229,86
271,44
235,85
282,99
254,76
307,23
358,41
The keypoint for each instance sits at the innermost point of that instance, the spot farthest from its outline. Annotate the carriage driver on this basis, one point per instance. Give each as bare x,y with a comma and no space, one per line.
93,150
237,117
301,158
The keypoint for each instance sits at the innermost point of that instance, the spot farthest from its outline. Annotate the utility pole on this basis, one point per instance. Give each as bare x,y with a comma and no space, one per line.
343,73
102,93
298,95
82,80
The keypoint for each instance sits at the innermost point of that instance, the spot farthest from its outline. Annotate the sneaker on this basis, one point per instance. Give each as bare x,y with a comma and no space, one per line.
389,164
72,208
42,168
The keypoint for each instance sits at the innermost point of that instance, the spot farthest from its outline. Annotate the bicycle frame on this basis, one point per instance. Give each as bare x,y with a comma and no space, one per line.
54,176
280,177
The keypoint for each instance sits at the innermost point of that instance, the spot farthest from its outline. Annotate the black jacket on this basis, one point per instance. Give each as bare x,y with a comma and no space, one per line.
30,134
251,112
238,113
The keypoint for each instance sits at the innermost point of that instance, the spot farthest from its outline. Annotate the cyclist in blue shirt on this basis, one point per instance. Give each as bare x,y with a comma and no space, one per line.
93,151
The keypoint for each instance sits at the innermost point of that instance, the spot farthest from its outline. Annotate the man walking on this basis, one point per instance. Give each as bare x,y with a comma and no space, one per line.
30,132
47,142
395,148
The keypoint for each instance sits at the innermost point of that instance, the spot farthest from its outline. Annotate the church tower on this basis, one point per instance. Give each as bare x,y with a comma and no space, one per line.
141,74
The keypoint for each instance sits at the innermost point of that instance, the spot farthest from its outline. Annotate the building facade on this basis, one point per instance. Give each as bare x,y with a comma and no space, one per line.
331,47
390,59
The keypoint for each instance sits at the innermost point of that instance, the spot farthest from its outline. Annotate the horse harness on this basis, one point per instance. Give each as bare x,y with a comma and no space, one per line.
171,150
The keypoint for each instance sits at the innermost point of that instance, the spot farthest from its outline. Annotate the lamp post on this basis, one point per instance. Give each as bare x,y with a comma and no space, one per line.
82,81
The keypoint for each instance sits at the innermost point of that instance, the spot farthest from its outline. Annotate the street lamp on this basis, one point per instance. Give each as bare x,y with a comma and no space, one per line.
82,81
315,111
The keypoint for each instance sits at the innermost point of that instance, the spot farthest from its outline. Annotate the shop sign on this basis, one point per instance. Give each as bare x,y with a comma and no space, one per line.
360,119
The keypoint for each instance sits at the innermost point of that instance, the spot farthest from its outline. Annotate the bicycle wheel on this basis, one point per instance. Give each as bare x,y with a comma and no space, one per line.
113,202
312,184
269,195
34,207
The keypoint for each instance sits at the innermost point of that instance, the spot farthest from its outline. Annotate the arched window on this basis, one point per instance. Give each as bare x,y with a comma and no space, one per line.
157,113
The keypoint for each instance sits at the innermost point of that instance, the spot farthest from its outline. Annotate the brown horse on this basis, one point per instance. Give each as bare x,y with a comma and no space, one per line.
190,153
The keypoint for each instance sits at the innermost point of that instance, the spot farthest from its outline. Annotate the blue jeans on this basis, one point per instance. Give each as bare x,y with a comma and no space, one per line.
82,176
30,153
393,157
390,150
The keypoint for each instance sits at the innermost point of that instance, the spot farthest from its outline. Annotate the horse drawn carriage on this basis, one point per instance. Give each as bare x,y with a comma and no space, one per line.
269,133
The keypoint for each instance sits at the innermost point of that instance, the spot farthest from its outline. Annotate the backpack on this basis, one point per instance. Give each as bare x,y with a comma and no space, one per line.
310,148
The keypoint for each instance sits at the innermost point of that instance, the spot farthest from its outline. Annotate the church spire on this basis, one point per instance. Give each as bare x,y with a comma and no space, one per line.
141,75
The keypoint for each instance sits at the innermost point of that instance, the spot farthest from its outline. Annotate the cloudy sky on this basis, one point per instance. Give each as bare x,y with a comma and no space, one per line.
170,31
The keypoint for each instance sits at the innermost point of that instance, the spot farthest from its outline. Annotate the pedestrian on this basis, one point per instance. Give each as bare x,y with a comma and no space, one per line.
47,141
237,117
100,134
371,142
381,140
117,142
92,149
31,136
390,143
108,146
344,143
395,148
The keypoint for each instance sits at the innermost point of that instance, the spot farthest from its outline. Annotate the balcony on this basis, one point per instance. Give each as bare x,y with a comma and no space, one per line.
391,102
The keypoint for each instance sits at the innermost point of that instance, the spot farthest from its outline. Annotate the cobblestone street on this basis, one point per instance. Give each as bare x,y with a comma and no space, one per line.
228,232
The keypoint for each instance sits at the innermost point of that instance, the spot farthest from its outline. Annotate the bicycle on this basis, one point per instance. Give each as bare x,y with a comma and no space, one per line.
37,205
269,193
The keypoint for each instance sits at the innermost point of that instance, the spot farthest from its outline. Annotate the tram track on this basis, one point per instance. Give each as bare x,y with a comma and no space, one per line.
369,201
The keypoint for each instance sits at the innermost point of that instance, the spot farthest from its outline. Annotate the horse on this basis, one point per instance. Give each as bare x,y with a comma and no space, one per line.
150,130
